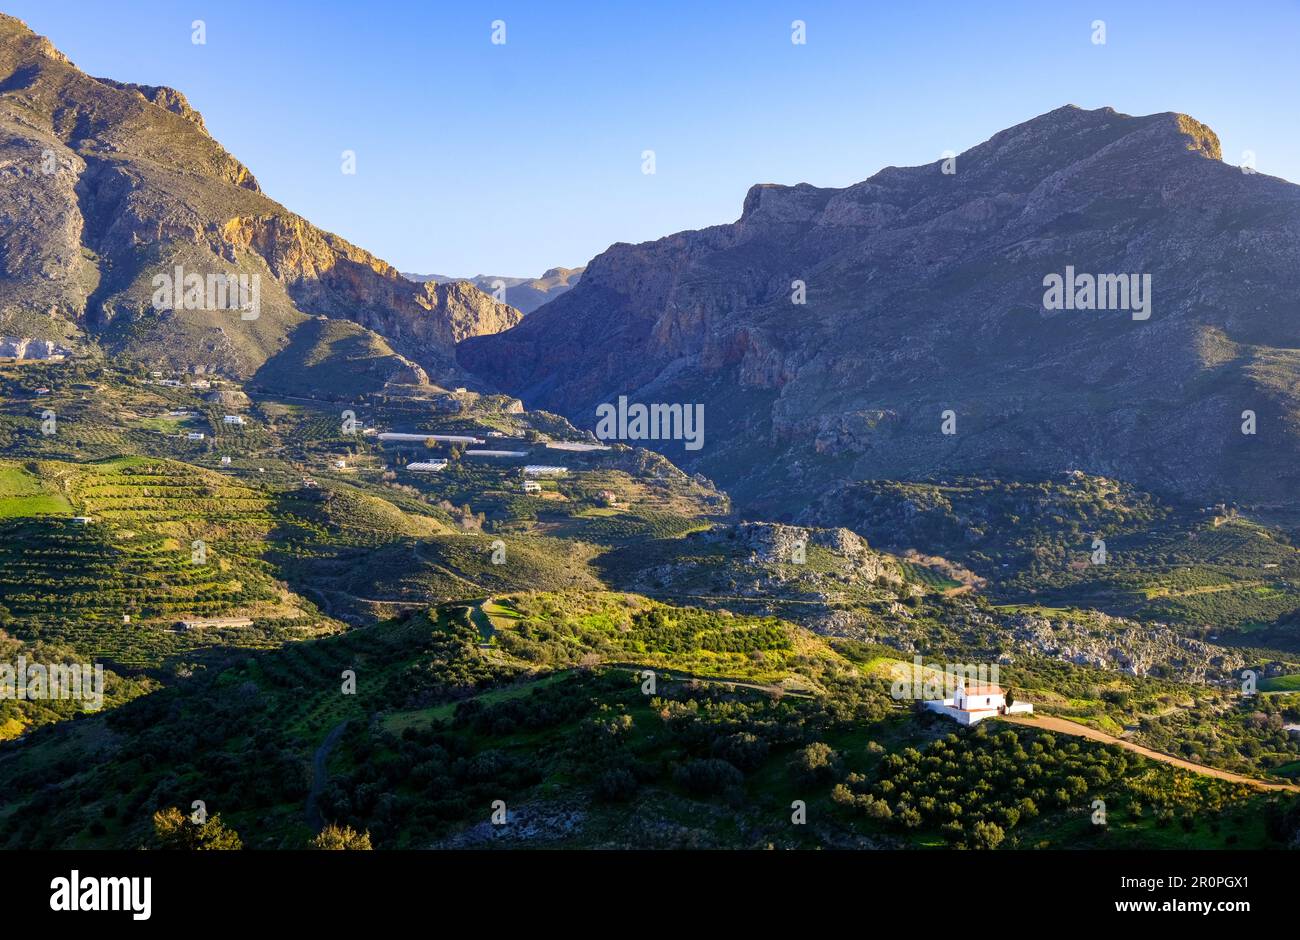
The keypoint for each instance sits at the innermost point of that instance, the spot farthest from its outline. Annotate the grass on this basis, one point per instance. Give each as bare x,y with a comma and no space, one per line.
932,579
423,717
23,495
1281,684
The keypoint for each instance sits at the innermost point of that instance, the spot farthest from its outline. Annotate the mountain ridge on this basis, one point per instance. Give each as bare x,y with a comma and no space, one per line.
924,293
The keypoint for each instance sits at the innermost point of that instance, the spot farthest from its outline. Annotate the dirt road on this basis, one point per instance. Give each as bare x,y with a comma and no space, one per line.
1065,726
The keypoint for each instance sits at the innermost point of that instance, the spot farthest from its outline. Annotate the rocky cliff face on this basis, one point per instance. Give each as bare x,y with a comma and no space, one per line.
104,185
924,293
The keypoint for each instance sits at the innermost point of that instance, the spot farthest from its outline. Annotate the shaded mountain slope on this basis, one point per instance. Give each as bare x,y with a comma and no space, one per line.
925,292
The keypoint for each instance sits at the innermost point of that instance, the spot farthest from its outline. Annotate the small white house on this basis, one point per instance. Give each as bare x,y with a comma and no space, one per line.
233,419
194,436
972,704
532,486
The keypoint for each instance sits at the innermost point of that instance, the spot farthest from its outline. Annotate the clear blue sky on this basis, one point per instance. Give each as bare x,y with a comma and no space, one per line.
476,158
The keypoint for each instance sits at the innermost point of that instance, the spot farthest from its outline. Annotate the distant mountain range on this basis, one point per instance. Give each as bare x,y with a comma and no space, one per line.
926,296
108,186
525,294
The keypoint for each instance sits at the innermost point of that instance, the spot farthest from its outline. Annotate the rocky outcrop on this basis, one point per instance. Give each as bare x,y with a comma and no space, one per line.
13,347
525,294
1116,643
469,311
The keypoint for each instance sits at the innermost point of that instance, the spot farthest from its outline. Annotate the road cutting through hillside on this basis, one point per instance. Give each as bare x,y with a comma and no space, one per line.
1065,726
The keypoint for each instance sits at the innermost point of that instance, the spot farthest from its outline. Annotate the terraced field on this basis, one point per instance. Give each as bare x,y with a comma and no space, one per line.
155,543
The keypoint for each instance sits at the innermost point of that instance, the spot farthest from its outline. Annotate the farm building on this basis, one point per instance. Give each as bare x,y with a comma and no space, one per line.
194,436
575,446
427,466
532,486
440,438
496,453
542,470
233,419
970,705
213,622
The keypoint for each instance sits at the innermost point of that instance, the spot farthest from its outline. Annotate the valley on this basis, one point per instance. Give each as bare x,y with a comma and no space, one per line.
501,636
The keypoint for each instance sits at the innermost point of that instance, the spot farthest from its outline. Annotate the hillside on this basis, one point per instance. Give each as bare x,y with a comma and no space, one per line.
925,294
542,701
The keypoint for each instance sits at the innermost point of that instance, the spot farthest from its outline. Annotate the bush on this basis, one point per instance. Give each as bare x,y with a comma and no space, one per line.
341,838
707,777
616,786
174,830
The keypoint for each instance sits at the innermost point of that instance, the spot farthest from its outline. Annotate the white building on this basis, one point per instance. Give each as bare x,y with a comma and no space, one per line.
194,436
532,486
495,453
233,419
970,705
575,446
427,466
440,438
541,470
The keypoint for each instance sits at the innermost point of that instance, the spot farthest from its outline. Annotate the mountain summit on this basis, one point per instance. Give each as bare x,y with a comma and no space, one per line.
107,185
923,293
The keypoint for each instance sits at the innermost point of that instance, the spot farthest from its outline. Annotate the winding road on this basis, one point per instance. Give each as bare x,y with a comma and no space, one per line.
318,774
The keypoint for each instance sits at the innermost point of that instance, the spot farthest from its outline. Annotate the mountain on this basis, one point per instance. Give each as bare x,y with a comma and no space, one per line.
108,185
925,292
525,294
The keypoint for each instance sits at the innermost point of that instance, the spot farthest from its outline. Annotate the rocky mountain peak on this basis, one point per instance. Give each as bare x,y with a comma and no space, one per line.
106,184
